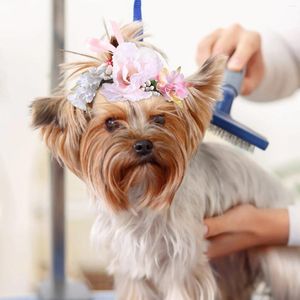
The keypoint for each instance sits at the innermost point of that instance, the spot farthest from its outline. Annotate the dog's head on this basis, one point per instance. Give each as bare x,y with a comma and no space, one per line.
129,151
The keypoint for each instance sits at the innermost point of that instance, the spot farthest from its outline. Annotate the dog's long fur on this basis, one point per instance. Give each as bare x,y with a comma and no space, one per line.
168,249
150,213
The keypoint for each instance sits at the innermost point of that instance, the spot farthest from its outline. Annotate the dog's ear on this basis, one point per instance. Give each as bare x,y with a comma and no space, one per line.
207,80
61,125
204,91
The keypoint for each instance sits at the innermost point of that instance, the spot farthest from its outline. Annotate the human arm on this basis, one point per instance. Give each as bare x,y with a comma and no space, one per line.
246,226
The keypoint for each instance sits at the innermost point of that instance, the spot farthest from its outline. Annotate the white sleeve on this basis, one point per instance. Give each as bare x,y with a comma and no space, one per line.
294,219
281,54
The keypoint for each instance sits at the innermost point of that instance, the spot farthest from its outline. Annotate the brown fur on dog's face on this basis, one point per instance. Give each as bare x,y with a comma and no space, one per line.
113,169
104,156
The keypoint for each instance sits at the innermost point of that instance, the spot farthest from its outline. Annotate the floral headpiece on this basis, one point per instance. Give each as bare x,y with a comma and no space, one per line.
131,74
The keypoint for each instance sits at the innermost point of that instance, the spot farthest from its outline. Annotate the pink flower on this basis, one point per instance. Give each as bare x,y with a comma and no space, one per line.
132,67
172,85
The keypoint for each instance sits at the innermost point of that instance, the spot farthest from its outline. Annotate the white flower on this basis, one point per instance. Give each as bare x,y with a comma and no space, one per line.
86,87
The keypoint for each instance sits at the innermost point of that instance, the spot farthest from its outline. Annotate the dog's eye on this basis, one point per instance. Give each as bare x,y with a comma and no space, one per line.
111,124
158,119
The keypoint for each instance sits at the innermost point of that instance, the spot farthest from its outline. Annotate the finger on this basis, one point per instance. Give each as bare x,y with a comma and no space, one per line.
204,49
228,41
229,243
216,226
248,86
247,47
254,74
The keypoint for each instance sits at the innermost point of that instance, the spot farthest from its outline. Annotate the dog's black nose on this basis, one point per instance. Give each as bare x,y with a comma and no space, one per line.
143,147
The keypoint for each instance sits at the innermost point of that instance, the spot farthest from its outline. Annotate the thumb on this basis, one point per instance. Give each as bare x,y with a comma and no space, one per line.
215,226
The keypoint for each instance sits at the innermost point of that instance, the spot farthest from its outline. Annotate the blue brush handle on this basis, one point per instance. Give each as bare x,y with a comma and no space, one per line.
137,10
231,88
137,14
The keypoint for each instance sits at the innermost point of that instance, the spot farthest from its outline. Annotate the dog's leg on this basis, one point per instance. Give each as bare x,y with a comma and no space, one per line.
281,271
134,289
199,285
235,276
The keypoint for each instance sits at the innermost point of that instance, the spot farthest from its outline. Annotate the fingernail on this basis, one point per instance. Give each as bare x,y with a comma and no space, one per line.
234,64
205,230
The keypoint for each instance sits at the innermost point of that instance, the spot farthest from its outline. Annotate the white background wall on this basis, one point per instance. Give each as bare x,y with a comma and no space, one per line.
177,26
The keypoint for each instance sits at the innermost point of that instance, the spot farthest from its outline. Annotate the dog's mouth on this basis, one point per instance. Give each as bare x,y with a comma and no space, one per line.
148,159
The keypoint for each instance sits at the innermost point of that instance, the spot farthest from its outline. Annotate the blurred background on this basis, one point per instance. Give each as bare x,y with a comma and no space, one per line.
177,27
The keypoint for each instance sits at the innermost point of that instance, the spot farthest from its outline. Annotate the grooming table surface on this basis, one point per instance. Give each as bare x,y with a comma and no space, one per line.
96,296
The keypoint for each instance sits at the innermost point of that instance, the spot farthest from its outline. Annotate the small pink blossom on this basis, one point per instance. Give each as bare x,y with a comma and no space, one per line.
132,67
172,85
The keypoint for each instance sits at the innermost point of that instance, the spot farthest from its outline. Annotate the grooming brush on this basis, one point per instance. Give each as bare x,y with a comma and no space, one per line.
223,125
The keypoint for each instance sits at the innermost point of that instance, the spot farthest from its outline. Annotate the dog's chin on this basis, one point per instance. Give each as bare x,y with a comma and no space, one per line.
146,180
150,181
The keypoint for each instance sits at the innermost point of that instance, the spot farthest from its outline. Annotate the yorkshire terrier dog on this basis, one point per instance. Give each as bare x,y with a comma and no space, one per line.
132,131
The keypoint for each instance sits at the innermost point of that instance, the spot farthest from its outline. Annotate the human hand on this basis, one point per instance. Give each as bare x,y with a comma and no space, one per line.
246,226
243,47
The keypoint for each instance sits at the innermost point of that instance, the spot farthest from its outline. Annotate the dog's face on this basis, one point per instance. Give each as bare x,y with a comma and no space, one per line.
138,150
131,153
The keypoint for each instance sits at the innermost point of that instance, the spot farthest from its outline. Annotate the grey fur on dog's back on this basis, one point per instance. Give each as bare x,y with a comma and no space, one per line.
220,177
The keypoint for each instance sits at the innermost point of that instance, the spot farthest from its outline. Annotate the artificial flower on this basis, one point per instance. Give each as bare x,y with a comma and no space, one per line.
132,67
172,85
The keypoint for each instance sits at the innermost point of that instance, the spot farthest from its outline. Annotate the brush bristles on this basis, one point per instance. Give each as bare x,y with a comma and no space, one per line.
231,138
